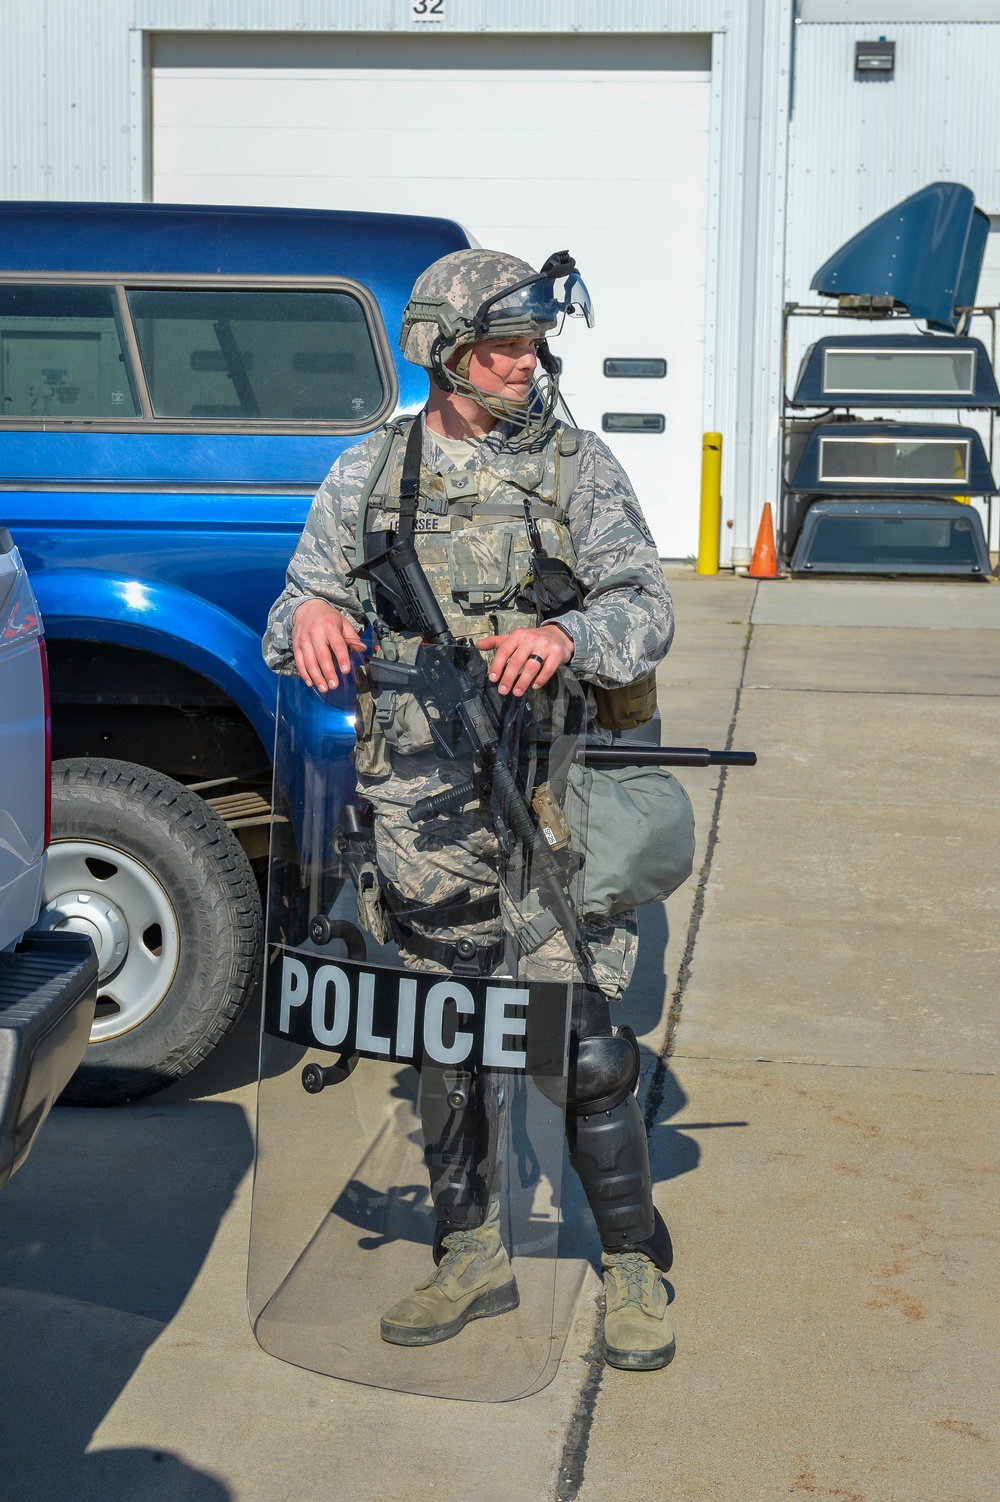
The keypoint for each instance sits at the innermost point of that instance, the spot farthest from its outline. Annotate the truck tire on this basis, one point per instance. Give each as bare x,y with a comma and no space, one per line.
164,888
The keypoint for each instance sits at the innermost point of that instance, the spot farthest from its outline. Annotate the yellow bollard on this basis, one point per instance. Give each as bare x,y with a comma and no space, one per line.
710,525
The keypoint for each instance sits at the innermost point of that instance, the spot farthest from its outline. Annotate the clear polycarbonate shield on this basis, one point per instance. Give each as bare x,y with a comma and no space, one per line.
421,952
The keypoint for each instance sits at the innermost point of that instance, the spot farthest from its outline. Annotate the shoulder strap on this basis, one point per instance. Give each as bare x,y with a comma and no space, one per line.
393,431
570,440
568,477
409,482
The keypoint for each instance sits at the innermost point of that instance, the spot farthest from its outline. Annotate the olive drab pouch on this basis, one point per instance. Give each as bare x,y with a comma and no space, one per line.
369,754
399,720
414,1049
635,828
628,706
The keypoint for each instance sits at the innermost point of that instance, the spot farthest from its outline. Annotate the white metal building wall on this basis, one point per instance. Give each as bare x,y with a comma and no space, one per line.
66,102
598,144
74,124
855,149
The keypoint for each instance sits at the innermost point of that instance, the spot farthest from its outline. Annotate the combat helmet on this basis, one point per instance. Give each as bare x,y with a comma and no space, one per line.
472,296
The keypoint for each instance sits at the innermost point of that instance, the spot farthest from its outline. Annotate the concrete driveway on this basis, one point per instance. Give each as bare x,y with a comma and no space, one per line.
822,1122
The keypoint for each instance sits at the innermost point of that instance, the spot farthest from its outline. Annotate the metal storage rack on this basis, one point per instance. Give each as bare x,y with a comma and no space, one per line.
796,421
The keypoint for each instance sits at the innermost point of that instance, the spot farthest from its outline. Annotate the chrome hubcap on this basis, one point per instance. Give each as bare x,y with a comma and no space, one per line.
95,889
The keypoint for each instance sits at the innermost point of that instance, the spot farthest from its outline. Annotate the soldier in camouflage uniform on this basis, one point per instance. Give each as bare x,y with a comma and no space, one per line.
500,478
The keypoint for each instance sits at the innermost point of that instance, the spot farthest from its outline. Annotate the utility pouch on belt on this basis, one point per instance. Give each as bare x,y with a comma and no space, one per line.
369,755
371,904
627,707
635,827
389,716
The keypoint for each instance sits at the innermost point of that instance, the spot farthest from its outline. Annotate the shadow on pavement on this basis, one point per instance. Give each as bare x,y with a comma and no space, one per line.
647,999
102,1234
132,1475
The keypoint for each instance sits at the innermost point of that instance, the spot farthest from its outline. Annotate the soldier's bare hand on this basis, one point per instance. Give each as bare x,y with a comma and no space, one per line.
526,658
322,643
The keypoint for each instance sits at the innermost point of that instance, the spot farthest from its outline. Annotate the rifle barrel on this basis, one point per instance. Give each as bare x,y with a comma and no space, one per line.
663,756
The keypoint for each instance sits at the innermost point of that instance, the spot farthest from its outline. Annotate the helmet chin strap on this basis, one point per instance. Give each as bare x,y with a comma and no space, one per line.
533,414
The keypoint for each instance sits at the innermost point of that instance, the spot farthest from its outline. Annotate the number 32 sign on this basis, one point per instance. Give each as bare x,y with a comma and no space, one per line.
427,10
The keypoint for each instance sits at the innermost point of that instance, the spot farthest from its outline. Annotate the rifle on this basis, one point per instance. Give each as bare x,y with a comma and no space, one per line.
468,717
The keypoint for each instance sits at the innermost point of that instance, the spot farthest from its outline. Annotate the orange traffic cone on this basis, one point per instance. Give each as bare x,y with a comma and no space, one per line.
764,563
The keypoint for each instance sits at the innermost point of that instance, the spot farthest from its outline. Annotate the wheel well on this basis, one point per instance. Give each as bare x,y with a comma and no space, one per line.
135,705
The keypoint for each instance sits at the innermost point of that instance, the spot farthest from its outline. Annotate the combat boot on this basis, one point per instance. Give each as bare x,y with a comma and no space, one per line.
638,1334
472,1281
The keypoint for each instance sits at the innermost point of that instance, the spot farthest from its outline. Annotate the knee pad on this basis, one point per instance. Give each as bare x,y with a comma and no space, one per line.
603,1065
602,1072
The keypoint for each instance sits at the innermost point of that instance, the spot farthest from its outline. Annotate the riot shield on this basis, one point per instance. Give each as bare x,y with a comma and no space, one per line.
421,952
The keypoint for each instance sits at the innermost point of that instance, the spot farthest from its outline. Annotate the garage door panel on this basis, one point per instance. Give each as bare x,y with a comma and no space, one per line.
310,149
303,133
275,99
597,170
667,233
663,228
662,495
622,182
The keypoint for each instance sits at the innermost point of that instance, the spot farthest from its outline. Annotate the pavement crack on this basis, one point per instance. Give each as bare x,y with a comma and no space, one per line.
573,1461
878,1067
657,1084
868,693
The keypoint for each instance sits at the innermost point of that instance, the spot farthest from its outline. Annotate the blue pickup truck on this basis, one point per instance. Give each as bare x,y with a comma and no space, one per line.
175,382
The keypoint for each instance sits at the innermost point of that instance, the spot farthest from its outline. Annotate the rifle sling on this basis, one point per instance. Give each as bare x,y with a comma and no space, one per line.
361,536
409,482
409,497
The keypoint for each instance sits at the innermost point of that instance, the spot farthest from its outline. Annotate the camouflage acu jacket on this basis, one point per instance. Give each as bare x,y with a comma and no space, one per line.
626,623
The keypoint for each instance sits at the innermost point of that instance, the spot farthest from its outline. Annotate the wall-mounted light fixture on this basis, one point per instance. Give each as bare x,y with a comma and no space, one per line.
874,60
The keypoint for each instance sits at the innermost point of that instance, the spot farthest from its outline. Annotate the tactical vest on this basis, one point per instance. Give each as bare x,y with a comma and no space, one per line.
476,533
471,534
470,530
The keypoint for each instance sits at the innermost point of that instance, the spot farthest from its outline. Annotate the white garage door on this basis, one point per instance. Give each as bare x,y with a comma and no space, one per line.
598,144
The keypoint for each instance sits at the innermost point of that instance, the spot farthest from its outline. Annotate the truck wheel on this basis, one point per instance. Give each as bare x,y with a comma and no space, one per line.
165,890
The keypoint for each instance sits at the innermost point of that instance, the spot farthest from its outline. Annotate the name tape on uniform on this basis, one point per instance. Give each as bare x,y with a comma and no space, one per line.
405,1016
424,521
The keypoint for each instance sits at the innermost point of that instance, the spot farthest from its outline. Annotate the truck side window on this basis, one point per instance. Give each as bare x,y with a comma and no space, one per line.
257,354
62,354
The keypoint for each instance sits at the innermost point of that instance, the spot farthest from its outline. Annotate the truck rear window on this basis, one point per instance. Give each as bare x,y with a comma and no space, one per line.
61,354
256,355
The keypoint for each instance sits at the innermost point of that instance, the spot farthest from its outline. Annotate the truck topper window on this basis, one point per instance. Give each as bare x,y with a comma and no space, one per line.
256,354
62,354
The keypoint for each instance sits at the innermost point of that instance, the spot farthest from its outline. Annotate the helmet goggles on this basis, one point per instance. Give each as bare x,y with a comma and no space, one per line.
538,306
